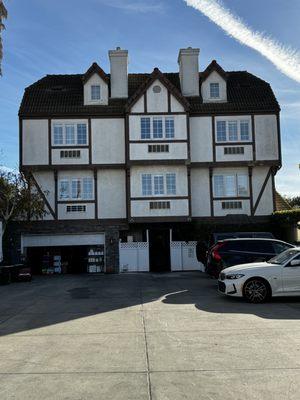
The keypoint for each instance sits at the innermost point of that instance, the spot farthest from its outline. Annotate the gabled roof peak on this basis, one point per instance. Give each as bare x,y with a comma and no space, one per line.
214,66
94,69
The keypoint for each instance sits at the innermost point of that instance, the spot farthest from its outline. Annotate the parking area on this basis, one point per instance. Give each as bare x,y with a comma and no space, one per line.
144,336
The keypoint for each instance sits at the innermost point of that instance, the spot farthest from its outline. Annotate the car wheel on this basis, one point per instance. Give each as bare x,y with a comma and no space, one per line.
256,290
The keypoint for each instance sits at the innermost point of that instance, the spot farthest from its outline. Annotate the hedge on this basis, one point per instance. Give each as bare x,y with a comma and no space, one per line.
286,217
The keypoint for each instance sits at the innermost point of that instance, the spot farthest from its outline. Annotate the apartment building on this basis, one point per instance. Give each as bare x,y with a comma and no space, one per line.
131,155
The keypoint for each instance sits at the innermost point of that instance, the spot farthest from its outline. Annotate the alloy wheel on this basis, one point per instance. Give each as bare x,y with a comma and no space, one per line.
256,291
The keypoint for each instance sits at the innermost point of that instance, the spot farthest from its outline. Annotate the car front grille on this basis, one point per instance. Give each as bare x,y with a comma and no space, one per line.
222,287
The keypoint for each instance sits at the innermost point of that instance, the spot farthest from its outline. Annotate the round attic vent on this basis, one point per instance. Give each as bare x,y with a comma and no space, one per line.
156,89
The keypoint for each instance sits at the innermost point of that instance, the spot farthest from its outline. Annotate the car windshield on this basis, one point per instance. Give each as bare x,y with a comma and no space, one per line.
284,257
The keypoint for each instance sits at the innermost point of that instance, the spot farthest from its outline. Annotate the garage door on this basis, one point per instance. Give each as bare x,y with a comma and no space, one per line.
62,240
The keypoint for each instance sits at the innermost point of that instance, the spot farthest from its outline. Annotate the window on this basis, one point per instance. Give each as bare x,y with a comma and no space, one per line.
230,185
145,128
233,150
232,131
64,190
70,154
76,208
159,205
221,131
214,90
231,205
70,134
171,183
87,184
158,184
146,185
169,127
158,148
81,134
157,128
76,189
244,125
95,92
58,134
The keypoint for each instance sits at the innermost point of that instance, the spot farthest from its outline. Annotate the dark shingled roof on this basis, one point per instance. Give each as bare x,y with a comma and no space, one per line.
63,95
281,203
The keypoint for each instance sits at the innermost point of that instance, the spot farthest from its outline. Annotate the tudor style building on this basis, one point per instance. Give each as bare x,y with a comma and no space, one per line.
116,155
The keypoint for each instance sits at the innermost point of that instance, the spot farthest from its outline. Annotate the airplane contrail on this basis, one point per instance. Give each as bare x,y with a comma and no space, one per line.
286,59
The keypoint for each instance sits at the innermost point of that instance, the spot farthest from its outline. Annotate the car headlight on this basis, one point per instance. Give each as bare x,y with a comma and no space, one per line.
234,276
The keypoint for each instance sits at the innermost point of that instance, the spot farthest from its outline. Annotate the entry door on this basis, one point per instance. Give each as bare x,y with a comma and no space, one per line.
291,278
159,250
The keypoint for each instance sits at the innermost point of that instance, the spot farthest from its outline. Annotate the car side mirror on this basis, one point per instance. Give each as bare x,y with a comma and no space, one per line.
295,263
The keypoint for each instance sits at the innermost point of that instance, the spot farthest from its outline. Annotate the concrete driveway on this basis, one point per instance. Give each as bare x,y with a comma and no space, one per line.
140,337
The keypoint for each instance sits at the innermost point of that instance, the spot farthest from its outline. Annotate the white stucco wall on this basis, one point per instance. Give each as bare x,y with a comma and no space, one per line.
247,156
157,102
136,178
141,208
266,137
179,123
35,142
95,80
111,194
108,141
219,212
45,180
177,151
200,192
88,214
139,106
175,105
83,159
201,139
214,77
265,206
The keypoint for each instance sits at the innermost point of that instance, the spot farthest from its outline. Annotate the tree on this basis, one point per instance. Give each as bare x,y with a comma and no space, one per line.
3,15
18,199
294,202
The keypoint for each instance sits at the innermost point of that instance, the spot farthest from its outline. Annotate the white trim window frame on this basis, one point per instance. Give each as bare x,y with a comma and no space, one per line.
228,131
214,90
76,189
70,134
95,92
157,127
158,185
230,185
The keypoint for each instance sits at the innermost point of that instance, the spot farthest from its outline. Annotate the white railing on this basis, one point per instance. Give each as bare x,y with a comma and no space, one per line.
184,256
134,256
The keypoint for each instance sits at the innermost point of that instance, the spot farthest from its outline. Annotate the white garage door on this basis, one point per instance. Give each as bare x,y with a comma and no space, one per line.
62,240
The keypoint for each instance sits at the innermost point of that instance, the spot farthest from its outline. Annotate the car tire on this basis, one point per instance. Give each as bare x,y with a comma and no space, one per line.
256,290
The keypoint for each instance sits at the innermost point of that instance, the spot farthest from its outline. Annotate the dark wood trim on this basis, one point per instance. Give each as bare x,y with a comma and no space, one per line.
96,192
262,190
158,161
253,137
279,138
74,201
169,102
273,191
50,141
133,220
72,116
71,167
56,193
230,219
211,193
234,164
90,140
73,147
145,103
229,144
158,113
213,121
158,141
232,113
20,143
153,198
189,191
127,171
231,198
128,194
251,189
42,195
188,135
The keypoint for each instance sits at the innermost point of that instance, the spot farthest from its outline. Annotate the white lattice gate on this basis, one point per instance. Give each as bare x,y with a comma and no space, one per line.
183,256
134,256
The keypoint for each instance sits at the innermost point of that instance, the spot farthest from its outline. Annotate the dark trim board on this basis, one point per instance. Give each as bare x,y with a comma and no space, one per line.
262,190
71,167
74,147
133,220
253,137
251,190
213,121
158,141
153,198
158,113
56,193
158,162
50,141
231,198
235,164
96,192
90,140
20,143
211,191
71,202
226,144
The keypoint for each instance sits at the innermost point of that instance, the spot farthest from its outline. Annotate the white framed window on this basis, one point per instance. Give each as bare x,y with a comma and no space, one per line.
58,137
147,185
158,185
70,134
214,89
157,127
76,189
230,185
95,92
233,131
171,183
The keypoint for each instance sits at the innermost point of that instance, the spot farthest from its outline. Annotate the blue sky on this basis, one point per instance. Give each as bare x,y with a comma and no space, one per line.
66,36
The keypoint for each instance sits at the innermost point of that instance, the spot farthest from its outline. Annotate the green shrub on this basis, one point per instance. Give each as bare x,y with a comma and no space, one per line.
286,217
